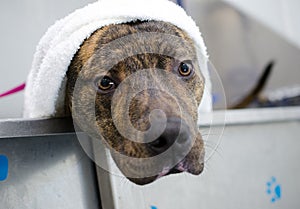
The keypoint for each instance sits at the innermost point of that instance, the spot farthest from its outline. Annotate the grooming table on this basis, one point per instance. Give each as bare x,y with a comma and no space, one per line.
256,166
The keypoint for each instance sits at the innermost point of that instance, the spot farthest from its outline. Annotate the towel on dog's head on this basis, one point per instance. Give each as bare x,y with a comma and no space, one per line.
45,88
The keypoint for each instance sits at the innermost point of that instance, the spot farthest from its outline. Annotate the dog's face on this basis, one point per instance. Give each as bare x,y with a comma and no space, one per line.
145,91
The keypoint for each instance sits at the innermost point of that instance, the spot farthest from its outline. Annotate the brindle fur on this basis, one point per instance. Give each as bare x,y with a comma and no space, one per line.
143,103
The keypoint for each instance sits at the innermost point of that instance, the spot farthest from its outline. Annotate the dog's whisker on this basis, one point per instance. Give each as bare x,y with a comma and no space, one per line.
206,168
211,134
122,181
211,144
185,176
204,130
214,151
212,154
209,147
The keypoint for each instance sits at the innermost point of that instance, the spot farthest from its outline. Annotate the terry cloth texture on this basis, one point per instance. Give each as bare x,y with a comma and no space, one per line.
45,88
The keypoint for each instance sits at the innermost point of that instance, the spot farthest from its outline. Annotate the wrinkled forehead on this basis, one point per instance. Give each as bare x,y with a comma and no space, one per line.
145,47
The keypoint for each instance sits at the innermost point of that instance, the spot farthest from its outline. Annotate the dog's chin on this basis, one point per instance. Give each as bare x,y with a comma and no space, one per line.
179,168
142,181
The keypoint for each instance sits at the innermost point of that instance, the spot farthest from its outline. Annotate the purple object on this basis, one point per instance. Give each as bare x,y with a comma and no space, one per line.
14,90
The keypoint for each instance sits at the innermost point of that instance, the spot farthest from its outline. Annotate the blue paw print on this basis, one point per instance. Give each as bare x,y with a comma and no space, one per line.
153,207
274,190
3,168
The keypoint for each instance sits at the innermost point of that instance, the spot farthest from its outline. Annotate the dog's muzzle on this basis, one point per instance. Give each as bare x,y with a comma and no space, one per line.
176,137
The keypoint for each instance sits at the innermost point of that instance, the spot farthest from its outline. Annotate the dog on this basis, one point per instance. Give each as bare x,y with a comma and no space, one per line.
180,133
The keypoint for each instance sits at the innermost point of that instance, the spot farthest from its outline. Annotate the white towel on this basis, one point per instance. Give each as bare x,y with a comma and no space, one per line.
45,89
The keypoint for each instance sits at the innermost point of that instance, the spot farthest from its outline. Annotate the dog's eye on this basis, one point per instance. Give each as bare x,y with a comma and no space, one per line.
185,69
105,84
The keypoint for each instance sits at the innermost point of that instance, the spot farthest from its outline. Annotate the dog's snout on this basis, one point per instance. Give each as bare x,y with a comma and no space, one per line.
175,136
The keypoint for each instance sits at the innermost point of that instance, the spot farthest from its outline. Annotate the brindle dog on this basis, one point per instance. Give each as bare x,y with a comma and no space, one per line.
188,149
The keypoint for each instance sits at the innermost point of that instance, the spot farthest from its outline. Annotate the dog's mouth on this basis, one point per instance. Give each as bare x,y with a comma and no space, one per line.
179,158
179,168
167,171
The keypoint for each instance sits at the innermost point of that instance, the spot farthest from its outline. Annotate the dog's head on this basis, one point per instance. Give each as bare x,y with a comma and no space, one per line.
140,90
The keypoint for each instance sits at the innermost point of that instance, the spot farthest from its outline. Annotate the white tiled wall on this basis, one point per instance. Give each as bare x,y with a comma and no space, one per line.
281,15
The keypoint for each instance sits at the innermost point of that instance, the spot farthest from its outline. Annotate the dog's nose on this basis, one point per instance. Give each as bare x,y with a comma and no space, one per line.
176,136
